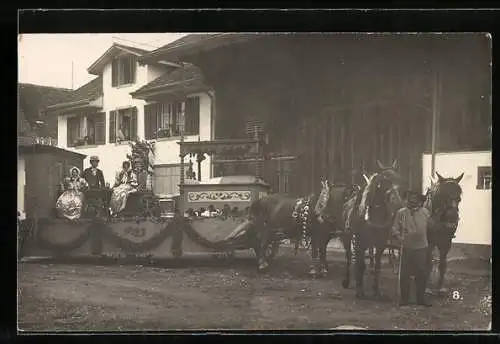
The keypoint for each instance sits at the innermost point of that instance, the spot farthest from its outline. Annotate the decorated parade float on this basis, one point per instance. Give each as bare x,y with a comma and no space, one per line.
207,217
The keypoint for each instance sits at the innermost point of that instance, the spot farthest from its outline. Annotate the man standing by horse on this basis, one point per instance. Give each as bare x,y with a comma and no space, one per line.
410,228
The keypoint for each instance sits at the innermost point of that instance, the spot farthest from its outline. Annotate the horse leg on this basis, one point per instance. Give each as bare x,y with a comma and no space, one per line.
325,238
313,269
376,274
346,242
359,253
429,265
262,244
371,254
443,264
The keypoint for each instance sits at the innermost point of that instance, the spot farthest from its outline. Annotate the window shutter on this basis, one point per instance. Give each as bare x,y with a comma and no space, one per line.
192,115
133,124
150,125
133,67
73,127
112,127
114,73
69,138
100,128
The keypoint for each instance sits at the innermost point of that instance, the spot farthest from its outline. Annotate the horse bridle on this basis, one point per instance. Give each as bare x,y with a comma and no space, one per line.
431,195
387,194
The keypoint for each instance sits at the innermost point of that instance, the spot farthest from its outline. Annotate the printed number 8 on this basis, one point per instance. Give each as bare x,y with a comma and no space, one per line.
456,295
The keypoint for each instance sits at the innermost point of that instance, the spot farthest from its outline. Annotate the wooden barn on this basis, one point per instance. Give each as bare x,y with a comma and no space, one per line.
331,105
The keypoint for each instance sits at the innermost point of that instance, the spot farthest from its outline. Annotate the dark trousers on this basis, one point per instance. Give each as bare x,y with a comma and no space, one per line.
413,263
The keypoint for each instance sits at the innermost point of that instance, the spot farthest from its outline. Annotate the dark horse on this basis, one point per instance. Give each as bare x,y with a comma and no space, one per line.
372,213
313,217
442,200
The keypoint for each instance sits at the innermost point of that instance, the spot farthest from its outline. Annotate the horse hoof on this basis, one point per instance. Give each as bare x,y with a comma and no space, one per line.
443,290
313,272
263,267
345,284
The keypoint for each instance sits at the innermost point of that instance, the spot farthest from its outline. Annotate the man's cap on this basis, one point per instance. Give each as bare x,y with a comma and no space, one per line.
94,158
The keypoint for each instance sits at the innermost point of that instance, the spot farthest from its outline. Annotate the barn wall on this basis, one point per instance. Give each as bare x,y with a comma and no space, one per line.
341,103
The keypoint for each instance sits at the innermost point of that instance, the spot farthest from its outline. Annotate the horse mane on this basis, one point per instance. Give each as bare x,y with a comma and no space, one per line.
368,192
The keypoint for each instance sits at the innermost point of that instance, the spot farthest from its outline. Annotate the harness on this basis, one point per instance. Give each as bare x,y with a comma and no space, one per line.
302,217
364,207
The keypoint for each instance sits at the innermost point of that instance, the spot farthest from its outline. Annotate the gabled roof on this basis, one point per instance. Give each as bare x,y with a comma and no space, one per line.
86,93
175,50
97,67
189,74
33,96
34,99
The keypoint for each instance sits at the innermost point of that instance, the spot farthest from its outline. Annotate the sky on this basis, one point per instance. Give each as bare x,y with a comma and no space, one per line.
46,59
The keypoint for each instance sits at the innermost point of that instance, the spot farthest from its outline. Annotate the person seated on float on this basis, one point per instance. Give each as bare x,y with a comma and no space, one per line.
126,183
70,203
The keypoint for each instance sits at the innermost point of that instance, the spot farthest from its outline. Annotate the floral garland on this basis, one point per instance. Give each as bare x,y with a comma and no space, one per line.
129,246
220,245
45,244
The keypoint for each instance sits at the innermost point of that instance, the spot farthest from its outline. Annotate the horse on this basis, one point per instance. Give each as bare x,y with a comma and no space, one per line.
442,200
311,217
371,215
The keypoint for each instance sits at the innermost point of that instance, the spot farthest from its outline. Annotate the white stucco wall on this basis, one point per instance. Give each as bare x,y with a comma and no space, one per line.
475,209
112,154
21,182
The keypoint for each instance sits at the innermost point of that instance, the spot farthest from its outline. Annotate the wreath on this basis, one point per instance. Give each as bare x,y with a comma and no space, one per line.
45,244
129,246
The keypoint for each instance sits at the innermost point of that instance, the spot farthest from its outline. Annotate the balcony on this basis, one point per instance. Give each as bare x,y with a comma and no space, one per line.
36,140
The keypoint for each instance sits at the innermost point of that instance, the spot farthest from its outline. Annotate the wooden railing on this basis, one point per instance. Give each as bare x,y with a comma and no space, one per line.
38,140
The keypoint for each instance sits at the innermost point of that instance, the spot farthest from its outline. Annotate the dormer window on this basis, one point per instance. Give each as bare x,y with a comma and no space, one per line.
123,70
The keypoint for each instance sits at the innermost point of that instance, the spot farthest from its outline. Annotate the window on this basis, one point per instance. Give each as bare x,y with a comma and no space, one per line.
73,131
484,178
86,129
123,125
166,179
123,70
166,120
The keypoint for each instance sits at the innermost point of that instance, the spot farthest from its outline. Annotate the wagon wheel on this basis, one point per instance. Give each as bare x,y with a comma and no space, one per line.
148,205
395,259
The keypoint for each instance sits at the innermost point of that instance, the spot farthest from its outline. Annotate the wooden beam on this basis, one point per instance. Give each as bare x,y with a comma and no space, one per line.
435,122
351,134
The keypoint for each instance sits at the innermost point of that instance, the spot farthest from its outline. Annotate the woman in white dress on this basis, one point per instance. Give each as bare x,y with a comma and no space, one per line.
125,183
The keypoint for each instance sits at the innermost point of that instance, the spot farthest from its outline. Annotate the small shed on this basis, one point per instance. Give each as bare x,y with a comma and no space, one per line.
40,170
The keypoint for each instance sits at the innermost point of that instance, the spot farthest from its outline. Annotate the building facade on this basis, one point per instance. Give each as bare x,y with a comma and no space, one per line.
102,117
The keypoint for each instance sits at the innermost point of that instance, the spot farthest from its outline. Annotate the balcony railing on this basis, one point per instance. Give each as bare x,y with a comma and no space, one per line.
36,140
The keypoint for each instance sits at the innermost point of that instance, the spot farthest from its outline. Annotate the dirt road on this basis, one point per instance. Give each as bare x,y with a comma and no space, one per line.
212,295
